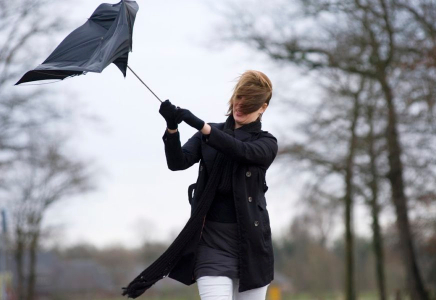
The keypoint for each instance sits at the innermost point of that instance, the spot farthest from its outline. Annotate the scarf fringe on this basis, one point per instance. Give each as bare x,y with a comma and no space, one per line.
163,265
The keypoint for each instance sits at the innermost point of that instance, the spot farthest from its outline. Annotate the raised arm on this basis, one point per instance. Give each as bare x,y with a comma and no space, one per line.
178,157
260,152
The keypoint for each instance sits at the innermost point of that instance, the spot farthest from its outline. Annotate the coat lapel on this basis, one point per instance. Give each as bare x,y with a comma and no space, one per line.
209,153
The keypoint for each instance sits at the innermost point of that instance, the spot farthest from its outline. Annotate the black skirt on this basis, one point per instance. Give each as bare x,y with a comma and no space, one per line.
218,250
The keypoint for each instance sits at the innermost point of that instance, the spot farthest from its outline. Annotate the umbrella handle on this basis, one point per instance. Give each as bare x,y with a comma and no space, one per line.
144,84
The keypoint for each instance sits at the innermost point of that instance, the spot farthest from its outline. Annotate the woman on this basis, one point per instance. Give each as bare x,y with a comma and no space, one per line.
233,258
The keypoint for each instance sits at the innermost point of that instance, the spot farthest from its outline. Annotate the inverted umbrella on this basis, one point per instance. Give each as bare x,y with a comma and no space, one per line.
104,39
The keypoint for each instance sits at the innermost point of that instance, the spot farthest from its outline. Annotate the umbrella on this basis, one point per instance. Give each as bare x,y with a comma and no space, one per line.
104,39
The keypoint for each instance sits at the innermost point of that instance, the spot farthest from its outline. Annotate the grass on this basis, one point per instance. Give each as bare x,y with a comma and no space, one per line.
192,294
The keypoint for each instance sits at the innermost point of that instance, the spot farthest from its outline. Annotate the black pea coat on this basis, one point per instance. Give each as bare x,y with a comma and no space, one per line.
253,153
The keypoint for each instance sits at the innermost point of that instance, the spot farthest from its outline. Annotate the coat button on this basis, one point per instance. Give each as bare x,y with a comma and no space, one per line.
248,174
256,223
250,199
201,168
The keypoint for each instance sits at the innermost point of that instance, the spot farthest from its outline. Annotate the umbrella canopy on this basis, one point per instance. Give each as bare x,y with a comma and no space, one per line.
105,38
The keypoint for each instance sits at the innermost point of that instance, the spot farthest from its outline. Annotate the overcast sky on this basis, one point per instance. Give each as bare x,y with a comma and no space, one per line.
138,197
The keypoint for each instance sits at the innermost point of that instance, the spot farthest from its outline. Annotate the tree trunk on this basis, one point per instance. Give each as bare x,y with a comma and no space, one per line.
33,250
375,211
350,290
395,175
19,260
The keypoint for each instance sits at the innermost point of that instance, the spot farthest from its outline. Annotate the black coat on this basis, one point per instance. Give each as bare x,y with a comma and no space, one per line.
253,153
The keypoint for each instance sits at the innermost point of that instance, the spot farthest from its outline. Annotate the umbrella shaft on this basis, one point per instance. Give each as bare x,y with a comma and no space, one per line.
144,83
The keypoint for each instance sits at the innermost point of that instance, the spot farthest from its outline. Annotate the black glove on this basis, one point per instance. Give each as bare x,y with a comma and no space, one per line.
189,118
168,111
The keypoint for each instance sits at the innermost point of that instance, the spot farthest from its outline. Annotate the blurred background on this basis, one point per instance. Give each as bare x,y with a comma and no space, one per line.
86,198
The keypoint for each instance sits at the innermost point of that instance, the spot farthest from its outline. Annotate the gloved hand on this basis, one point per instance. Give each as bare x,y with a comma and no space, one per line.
189,118
168,111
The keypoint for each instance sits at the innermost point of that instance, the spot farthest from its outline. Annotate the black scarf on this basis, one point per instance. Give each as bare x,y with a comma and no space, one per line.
161,267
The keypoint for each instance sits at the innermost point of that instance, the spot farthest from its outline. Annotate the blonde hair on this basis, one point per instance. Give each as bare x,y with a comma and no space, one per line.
255,87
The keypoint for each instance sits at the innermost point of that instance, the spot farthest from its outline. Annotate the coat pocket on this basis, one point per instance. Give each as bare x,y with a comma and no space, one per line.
266,229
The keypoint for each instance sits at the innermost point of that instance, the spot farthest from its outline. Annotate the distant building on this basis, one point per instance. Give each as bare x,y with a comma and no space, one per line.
77,276
55,276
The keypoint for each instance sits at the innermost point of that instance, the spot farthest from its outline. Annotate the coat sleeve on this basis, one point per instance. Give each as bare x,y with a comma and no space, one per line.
260,152
178,157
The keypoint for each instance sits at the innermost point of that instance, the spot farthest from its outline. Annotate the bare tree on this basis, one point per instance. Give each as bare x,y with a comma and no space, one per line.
23,23
35,171
42,177
385,42
332,144
373,199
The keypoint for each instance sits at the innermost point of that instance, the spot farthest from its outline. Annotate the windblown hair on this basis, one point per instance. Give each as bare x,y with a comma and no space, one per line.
255,87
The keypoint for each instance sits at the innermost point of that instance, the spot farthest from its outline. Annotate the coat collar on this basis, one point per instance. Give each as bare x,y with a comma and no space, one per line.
242,135
244,132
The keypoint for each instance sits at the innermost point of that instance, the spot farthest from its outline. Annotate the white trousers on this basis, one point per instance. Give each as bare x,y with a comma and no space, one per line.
225,288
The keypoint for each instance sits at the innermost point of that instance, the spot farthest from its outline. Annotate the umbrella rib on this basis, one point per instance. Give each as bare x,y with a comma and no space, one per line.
144,83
